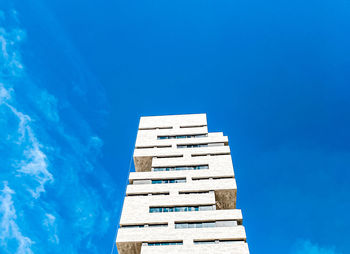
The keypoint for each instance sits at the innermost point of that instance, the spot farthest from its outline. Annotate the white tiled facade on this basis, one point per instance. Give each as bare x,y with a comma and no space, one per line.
182,196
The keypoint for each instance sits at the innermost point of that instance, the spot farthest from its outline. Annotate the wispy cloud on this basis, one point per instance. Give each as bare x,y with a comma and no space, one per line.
34,162
48,105
43,149
10,58
50,224
9,228
5,94
307,247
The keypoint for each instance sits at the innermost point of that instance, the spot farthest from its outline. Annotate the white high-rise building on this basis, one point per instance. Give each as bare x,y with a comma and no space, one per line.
182,196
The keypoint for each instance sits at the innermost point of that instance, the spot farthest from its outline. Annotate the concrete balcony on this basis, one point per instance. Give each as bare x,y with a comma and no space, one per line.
226,248
129,240
143,157
211,138
149,218
225,190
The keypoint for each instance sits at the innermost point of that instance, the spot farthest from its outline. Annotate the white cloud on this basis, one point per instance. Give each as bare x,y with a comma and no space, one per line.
3,43
9,228
48,105
35,161
49,219
9,57
35,165
50,224
5,94
306,247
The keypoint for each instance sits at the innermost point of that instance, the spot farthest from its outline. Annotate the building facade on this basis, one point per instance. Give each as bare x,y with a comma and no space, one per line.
182,196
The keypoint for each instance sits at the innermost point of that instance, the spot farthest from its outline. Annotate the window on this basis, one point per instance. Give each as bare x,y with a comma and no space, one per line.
206,208
226,223
132,226
168,156
137,195
159,194
183,180
183,136
155,128
156,210
216,241
216,144
192,146
181,209
209,154
207,224
149,181
145,147
144,225
197,167
201,145
213,178
147,194
204,242
164,243
143,181
192,126
195,225
193,192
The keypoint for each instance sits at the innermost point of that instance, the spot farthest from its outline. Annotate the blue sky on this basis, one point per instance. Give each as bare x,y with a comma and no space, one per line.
75,76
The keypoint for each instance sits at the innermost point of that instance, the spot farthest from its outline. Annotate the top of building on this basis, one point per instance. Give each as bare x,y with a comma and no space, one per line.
173,121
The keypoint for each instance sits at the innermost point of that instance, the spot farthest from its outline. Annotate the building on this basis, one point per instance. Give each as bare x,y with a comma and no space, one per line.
182,196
